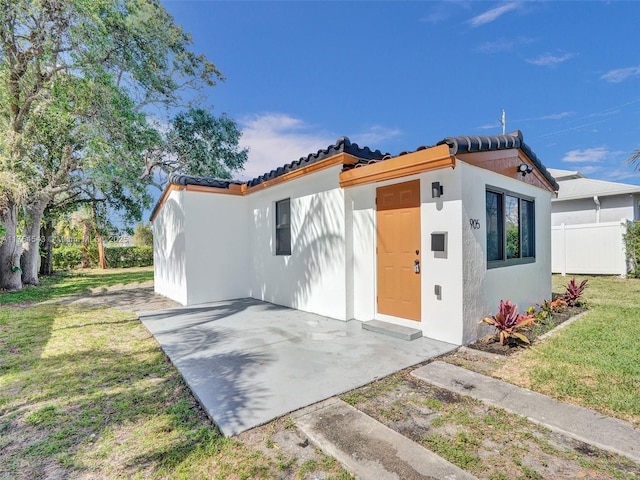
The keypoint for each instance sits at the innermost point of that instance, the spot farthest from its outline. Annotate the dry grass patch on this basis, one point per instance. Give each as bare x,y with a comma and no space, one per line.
485,441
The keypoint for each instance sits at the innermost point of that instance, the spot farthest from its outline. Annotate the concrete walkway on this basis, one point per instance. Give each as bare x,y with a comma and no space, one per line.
369,449
586,425
249,362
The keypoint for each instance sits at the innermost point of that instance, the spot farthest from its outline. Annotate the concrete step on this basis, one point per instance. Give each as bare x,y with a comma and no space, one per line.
392,330
369,449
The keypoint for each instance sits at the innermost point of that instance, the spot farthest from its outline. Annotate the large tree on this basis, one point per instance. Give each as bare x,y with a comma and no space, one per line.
197,143
53,53
87,139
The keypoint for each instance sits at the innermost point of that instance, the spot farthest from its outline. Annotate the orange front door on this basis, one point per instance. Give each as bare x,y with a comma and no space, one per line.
398,227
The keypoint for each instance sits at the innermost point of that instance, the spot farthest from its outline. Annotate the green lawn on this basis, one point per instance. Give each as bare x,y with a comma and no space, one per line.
596,361
85,390
76,283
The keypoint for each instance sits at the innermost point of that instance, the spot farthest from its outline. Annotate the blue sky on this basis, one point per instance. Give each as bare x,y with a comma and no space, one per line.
397,75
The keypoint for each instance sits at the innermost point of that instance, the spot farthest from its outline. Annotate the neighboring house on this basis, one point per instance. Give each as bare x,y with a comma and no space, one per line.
584,200
588,220
431,239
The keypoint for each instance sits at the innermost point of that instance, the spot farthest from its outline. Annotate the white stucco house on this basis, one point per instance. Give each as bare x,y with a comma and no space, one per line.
588,222
431,239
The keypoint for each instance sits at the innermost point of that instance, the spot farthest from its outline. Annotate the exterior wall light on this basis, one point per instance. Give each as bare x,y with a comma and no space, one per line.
523,168
436,190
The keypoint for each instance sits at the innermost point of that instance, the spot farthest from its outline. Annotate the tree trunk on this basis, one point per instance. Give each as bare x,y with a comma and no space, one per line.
86,237
102,258
46,252
31,253
10,248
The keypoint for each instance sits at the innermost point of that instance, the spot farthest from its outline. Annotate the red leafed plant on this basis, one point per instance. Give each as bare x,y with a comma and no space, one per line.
508,320
573,292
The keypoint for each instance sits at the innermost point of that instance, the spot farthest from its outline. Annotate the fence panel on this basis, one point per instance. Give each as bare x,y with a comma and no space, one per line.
590,248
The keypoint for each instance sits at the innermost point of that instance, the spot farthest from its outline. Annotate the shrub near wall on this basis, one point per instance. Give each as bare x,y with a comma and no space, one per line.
632,245
70,257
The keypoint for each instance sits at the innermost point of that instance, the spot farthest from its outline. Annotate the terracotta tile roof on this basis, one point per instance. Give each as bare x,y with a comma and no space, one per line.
484,143
366,156
458,145
180,179
342,145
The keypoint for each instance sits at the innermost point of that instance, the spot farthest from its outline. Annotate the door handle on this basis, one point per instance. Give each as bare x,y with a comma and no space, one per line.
416,265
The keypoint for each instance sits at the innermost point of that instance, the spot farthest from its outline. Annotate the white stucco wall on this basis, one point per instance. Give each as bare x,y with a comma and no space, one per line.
583,210
200,250
217,236
526,284
361,251
440,318
169,249
313,277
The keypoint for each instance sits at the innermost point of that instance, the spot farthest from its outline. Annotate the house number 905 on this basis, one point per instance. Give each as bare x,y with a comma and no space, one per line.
474,223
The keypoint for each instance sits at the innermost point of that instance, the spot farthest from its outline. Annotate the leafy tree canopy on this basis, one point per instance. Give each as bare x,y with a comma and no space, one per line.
199,143
142,235
75,79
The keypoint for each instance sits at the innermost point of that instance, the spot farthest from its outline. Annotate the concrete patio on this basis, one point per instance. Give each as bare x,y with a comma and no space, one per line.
249,362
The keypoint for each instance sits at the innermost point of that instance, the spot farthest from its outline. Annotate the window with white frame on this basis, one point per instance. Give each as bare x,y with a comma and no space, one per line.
283,227
510,228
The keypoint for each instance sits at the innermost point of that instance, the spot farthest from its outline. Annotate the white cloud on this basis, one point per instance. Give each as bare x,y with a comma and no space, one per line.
374,135
556,116
587,155
490,126
503,45
493,14
624,176
441,11
275,139
590,169
620,74
496,46
550,60
437,16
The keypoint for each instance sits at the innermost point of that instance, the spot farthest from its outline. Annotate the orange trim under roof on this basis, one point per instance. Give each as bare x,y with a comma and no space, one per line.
433,158
340,159
242,189
234,189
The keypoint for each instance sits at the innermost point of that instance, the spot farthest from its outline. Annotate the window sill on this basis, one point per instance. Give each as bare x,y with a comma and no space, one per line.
510,262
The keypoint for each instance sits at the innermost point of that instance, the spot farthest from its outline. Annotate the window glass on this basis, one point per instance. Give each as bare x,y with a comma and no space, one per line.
494,226
283,227
512,221
510,228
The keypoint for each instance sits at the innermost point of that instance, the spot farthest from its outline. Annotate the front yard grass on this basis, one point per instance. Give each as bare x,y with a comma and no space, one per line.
595,362
85,392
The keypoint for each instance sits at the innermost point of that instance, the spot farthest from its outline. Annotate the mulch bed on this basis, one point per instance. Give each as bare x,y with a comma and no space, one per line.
491,343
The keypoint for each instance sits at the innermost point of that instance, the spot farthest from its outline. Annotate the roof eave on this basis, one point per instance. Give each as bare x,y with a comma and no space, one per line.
476,144
635,191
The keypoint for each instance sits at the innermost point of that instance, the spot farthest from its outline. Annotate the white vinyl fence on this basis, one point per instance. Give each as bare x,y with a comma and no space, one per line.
590,248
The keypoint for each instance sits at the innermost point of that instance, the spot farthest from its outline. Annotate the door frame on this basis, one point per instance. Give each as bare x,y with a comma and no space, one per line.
415,203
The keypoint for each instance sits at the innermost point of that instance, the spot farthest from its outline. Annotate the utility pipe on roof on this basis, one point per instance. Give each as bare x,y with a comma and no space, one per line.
597,202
